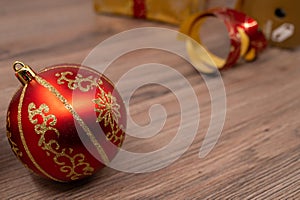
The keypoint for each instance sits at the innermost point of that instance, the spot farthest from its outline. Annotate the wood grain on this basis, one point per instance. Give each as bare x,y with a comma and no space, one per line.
257,155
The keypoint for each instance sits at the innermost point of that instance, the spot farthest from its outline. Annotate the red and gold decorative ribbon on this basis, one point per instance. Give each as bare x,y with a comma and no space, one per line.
246,40
139,9
169,11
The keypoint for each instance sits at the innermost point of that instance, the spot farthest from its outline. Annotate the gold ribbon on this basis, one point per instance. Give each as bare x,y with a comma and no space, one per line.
191,28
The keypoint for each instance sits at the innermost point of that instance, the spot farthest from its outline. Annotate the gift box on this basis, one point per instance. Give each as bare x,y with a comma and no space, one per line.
170,11
279,20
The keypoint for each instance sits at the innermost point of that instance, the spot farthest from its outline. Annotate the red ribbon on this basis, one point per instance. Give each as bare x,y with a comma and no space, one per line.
139,9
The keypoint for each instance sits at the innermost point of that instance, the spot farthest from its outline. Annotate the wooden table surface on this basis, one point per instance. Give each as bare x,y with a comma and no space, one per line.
257,155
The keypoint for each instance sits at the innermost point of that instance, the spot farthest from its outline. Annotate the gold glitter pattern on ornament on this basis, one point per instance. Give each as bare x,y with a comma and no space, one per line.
89,133
108,109
62,156
14,146
84,84
107,106
20,106
116,135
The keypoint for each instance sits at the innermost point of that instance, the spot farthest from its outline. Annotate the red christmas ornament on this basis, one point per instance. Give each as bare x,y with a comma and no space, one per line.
66,122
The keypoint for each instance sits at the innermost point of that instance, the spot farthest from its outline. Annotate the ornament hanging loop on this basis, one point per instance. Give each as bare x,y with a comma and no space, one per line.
23,72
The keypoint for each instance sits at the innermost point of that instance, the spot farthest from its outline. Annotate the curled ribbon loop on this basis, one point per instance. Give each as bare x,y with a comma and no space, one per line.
246,40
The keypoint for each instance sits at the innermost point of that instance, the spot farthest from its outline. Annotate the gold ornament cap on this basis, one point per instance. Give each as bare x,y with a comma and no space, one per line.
23,72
